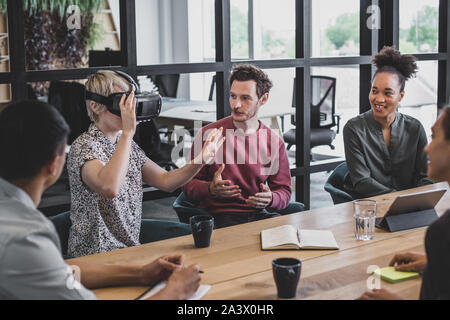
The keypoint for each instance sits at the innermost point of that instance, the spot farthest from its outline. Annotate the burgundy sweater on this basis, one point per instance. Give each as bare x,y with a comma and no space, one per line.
249,160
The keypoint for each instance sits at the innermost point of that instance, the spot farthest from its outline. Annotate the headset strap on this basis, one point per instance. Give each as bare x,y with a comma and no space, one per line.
98,98
130,80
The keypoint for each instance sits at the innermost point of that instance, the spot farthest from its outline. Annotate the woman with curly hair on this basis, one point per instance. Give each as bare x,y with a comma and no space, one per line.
383,147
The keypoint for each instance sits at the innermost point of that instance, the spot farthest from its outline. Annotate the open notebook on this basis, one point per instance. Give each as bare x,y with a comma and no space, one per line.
288,237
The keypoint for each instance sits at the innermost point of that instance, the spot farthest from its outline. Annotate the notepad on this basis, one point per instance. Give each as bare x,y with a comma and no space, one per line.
389,274
201,291
288,237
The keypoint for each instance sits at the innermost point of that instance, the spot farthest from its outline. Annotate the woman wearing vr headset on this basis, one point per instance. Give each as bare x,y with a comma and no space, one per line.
107,169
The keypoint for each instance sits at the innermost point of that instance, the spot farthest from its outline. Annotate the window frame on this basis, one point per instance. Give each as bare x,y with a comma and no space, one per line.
371,41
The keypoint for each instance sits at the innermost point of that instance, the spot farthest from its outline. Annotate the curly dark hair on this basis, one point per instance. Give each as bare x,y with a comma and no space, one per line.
246,72
392,61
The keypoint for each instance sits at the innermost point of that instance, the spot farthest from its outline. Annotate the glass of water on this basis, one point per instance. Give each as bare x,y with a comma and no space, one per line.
364,215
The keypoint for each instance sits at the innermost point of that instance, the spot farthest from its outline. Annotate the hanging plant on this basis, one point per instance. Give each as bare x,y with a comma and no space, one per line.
49,44
48,40
39,40
72,44
39,44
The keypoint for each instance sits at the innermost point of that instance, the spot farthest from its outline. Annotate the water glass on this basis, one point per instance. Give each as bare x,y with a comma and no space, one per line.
364,215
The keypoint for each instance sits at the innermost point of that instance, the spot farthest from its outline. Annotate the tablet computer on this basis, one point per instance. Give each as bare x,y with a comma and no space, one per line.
414,204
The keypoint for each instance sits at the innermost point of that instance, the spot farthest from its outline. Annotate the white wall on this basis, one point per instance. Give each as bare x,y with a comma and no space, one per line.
180,42
147,31
173,31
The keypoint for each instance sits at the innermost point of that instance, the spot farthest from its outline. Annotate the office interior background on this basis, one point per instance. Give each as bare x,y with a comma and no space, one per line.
199,41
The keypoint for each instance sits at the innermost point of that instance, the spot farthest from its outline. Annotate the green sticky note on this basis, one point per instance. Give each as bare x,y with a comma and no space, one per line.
389,274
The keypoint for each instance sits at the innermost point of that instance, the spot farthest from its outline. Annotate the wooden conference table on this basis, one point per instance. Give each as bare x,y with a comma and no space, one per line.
236,268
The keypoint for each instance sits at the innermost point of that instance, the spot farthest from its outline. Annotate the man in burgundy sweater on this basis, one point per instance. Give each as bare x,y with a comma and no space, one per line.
250,175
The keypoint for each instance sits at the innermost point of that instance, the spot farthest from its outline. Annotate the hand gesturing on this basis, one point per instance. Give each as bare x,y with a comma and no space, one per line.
212,143
223,188
261,199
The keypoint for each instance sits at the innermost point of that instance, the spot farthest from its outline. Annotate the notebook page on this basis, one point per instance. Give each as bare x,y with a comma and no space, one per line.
317,239
279,236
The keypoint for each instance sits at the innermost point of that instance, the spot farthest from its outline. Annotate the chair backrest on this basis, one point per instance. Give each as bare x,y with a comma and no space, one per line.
212,89
335,183
62,224
167,84
186,208
30,93
337,178
323,99
294,104
147,137
105,58
69,99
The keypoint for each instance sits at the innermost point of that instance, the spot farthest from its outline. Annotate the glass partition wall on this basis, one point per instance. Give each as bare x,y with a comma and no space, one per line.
304,45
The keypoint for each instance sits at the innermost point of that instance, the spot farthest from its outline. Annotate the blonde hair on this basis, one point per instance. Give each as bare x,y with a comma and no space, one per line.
103,83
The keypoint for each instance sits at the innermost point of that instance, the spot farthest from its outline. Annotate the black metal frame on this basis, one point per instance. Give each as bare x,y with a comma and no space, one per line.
371,42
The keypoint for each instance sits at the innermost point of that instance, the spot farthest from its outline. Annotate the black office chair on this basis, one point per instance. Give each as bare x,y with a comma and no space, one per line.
105,58
30,93
167,84
335,184
323,116
147,136
62,225
69,99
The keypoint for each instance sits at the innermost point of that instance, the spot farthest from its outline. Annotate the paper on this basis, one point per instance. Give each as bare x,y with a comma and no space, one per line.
316,239
201,291
391,275
287,237
283,236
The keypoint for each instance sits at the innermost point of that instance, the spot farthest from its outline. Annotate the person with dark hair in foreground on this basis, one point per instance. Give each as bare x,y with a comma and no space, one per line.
251,176
435,265
383,147
33,139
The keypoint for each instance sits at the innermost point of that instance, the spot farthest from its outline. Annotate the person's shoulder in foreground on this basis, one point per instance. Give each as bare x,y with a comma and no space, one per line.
436,282
435,264
30,255
32,266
